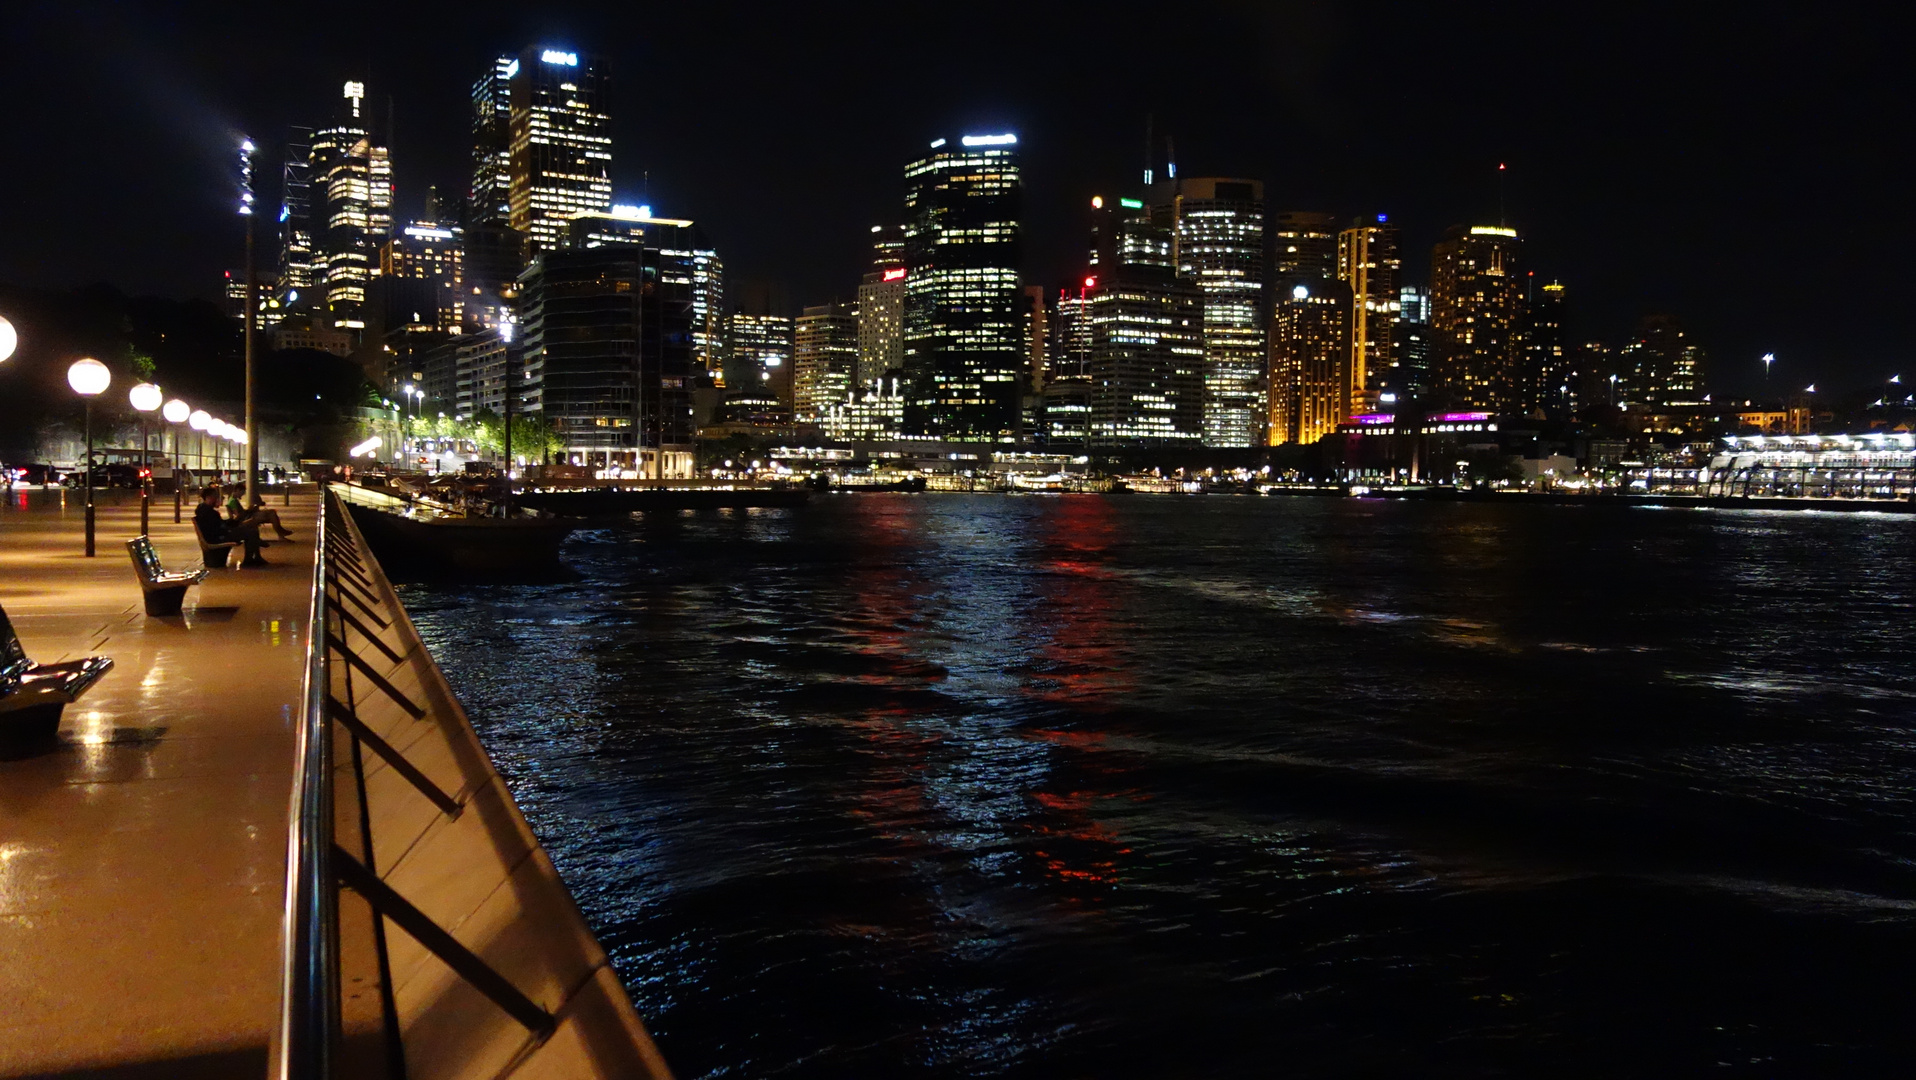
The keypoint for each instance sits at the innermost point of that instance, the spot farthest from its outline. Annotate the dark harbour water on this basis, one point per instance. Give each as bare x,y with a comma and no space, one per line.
1088,786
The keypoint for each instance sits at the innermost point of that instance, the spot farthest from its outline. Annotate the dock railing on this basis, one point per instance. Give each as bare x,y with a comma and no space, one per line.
426,934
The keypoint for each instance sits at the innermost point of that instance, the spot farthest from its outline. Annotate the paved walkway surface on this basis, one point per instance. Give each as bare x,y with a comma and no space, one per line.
142,859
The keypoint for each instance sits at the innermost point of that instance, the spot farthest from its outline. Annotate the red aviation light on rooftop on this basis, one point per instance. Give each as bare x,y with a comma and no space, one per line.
894,275
1090,283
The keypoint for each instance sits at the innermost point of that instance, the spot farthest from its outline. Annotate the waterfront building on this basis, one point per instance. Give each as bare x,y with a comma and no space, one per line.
964,355
1147,358
1310,347
298,260
1549,366
432,254
608,340
758,350
1661,365
824,359
560,155
1407,377
1476,312
1306,244
881,325
353,175
708,311
875,413
1368,262
1217,228
1037,335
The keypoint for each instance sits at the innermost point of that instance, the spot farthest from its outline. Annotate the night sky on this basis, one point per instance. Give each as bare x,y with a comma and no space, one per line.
1742,166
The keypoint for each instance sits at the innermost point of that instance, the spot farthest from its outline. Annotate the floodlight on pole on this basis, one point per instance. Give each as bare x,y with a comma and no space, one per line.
89,379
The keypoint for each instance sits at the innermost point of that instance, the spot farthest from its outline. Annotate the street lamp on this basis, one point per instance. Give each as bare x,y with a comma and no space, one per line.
9,338
175,413
145,398
1768,359
89,379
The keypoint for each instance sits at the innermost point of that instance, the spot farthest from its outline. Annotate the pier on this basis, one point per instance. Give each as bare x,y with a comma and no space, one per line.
260,850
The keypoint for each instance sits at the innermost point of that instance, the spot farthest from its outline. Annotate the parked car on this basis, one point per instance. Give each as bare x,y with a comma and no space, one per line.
106,476
32,472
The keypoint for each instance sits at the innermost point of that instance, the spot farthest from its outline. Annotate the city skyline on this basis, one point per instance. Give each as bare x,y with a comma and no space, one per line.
1600,169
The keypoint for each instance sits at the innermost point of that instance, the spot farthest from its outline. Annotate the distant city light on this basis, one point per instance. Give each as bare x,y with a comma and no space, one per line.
988,140
1382,218
554,56
1097,202
1090,283
366,448
936,143
1300,292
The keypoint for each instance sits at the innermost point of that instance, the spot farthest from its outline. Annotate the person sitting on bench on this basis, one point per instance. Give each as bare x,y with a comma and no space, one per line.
258,516
216,529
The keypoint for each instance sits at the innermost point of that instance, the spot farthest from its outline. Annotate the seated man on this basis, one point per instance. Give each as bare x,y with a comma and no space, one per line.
218,530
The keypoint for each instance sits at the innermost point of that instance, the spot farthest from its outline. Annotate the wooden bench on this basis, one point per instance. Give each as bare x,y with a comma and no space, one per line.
164,592
32,695
215,556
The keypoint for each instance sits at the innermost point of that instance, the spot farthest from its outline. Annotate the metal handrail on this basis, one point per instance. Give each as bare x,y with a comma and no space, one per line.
309,991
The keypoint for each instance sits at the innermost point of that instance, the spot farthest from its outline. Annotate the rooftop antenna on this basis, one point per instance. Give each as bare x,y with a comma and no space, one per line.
1502,172
1147,149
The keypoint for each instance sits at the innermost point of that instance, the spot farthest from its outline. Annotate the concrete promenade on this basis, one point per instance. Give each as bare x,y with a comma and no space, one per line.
142,859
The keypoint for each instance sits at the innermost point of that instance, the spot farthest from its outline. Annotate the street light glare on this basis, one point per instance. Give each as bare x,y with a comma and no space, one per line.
89,377
145,397
199,420
9,338
176,411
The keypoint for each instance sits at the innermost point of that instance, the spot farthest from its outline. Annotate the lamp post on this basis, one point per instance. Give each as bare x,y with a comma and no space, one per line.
251,419
175,413
145,398
89,379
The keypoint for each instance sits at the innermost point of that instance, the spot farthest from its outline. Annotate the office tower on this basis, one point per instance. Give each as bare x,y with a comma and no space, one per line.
491,200
888,247
297,258
1368,262
1218,228
1476,311
354,181
1037,335
881,325
434,255
963,353
265,290
1548,359
1306,245
561,144
1660,366
608,338
1147,358
758,351
1412,350
1310,346
824,359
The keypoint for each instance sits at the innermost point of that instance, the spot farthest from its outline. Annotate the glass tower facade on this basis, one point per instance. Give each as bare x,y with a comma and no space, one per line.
1368,262
491,197
1310,348
964,344
824,359
297,270
560,154
353,178
1218,231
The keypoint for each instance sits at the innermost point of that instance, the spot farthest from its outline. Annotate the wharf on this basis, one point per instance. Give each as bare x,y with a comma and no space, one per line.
143,860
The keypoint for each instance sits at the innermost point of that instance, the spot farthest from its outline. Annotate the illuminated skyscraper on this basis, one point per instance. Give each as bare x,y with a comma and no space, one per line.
758,350
964,353
1147,358
1411,350
708,311
1218,231
353,177
1306,245
297,257
561,148
881,325
824,359
1548,360
431,254
1367,261
1310,348
1476,312
491,199
1661,365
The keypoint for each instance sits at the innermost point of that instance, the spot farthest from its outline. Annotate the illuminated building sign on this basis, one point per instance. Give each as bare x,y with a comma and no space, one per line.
895,275
1374,418
936,143
554,56
428,234
1462,417
626,210
1491,230
1131,204
988,140
512,69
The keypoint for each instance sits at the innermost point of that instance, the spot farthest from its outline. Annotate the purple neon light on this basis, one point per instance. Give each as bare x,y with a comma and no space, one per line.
1462,417
1374,418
